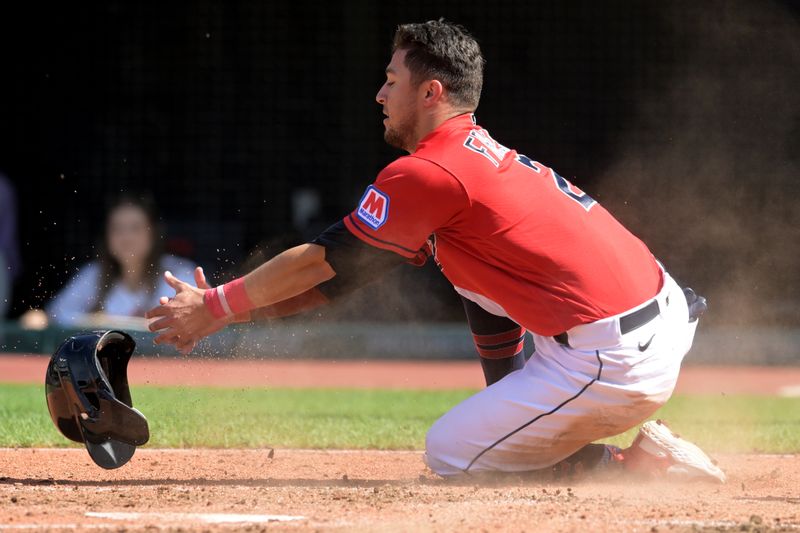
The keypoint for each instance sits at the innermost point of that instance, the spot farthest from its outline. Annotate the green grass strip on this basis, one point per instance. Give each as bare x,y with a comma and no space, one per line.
373,419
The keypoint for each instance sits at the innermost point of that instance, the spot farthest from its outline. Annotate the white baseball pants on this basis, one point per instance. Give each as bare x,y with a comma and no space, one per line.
565,397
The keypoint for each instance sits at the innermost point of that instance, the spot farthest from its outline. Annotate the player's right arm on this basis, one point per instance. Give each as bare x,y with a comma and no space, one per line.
196,312
411,198
354,264
409,201
293,278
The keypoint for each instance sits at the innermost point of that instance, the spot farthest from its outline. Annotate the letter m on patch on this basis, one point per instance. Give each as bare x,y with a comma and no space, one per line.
373,209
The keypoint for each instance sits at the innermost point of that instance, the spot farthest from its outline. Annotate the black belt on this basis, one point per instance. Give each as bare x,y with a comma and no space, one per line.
627,323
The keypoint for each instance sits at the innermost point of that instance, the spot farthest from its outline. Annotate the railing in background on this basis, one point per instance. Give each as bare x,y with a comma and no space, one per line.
363,340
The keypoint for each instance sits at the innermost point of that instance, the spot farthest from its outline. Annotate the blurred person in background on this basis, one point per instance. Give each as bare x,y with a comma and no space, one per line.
9,249
123,281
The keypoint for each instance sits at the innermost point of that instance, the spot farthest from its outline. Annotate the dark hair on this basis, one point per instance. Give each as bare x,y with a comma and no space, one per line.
444,51
110,270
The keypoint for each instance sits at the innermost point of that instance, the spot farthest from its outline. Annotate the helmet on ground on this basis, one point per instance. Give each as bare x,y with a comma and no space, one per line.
89,398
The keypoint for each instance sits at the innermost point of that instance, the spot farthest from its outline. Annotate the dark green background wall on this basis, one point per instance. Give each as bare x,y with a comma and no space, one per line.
683,118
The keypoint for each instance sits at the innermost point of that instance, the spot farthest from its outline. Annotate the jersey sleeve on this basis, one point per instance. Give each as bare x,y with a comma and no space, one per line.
410,200
355,262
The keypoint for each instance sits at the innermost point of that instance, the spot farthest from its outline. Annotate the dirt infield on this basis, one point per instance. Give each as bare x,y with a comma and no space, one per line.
383,374
369,490
200,490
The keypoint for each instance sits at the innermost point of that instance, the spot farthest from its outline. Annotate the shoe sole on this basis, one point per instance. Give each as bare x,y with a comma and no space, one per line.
690,461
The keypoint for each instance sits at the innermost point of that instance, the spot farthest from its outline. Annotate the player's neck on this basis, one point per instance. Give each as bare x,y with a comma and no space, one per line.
431,121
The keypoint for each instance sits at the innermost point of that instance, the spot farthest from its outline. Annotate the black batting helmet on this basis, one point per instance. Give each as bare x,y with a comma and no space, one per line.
89,398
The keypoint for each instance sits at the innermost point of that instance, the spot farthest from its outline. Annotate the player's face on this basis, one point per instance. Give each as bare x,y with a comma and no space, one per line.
398,96
129,235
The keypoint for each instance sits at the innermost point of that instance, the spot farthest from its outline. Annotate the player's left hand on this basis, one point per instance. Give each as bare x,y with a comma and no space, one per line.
184,319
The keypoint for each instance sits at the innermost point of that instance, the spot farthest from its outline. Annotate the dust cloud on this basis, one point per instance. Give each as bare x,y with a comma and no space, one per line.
708,170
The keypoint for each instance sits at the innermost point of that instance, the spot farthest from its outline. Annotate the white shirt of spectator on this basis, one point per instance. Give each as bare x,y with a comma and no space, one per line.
79,297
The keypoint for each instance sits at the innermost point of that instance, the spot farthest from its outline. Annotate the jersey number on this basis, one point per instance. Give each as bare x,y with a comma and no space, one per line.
481,142
565,186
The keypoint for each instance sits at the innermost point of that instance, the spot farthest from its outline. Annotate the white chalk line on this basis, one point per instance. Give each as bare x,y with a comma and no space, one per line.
103,526
205,518
50,527
264,449
790,391
161,518
688,522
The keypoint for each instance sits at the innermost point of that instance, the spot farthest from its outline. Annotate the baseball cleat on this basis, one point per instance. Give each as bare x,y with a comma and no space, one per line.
657,452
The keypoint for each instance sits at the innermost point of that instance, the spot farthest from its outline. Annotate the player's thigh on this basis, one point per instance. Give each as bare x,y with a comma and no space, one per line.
530,419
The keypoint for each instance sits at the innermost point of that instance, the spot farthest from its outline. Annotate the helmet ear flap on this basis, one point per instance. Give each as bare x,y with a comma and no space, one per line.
89,397
118,421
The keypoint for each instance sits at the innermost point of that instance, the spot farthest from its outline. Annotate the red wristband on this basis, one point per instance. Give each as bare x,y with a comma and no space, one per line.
237,298
213,304
228,300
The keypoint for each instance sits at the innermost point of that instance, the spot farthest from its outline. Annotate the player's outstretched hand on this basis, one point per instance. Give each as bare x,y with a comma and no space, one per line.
184,319
200,279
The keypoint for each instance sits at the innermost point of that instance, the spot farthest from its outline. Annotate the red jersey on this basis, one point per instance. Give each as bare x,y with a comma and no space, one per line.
509,233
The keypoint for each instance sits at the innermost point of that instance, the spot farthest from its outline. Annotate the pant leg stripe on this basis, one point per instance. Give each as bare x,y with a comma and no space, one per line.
555,409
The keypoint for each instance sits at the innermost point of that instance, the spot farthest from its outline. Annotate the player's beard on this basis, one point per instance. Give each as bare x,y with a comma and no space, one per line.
402,135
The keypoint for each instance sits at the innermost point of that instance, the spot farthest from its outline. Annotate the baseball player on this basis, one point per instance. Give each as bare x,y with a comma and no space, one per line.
525,249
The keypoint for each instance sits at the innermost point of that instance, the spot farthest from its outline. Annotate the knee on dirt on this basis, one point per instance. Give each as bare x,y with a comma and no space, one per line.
440,451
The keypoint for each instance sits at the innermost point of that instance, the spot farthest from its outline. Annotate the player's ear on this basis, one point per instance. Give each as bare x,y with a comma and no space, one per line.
433,92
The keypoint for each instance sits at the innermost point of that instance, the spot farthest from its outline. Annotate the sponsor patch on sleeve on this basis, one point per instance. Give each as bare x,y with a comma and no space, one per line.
373,209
